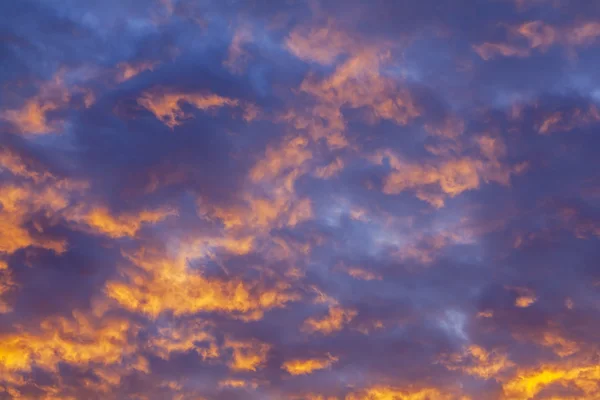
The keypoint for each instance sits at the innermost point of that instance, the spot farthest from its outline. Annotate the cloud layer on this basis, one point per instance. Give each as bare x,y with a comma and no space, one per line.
320,200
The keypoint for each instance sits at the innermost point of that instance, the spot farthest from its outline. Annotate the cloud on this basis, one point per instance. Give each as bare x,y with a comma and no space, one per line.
153,279
334,321
308,366
299,200
247,355
100,220
541,37
166,106
126,71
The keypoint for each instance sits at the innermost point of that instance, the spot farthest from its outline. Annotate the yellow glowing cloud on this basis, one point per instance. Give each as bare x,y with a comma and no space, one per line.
390,393
79,341
247,355
308,365
529,382
161,284
166,105
102,221
333,322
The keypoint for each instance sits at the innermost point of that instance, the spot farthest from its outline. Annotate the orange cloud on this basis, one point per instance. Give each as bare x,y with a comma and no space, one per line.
540,36
21,167
166,105
527,383
561,346
32,117
291,155
79,341
333,322
432,183
319,44
18,204
275,175
391,393
488,51
477,361
363,274
238,383
126,71
356,83
308,365
525,296
247,355
100,220
181,339
157,284
564,121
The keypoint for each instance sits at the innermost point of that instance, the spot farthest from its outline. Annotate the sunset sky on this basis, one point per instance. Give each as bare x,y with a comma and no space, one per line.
300,199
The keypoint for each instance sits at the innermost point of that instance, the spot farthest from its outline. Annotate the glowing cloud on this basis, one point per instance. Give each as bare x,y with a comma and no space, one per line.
334,321
166,105
308,366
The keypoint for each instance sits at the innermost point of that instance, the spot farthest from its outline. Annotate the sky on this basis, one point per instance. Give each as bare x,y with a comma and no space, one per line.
299,199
